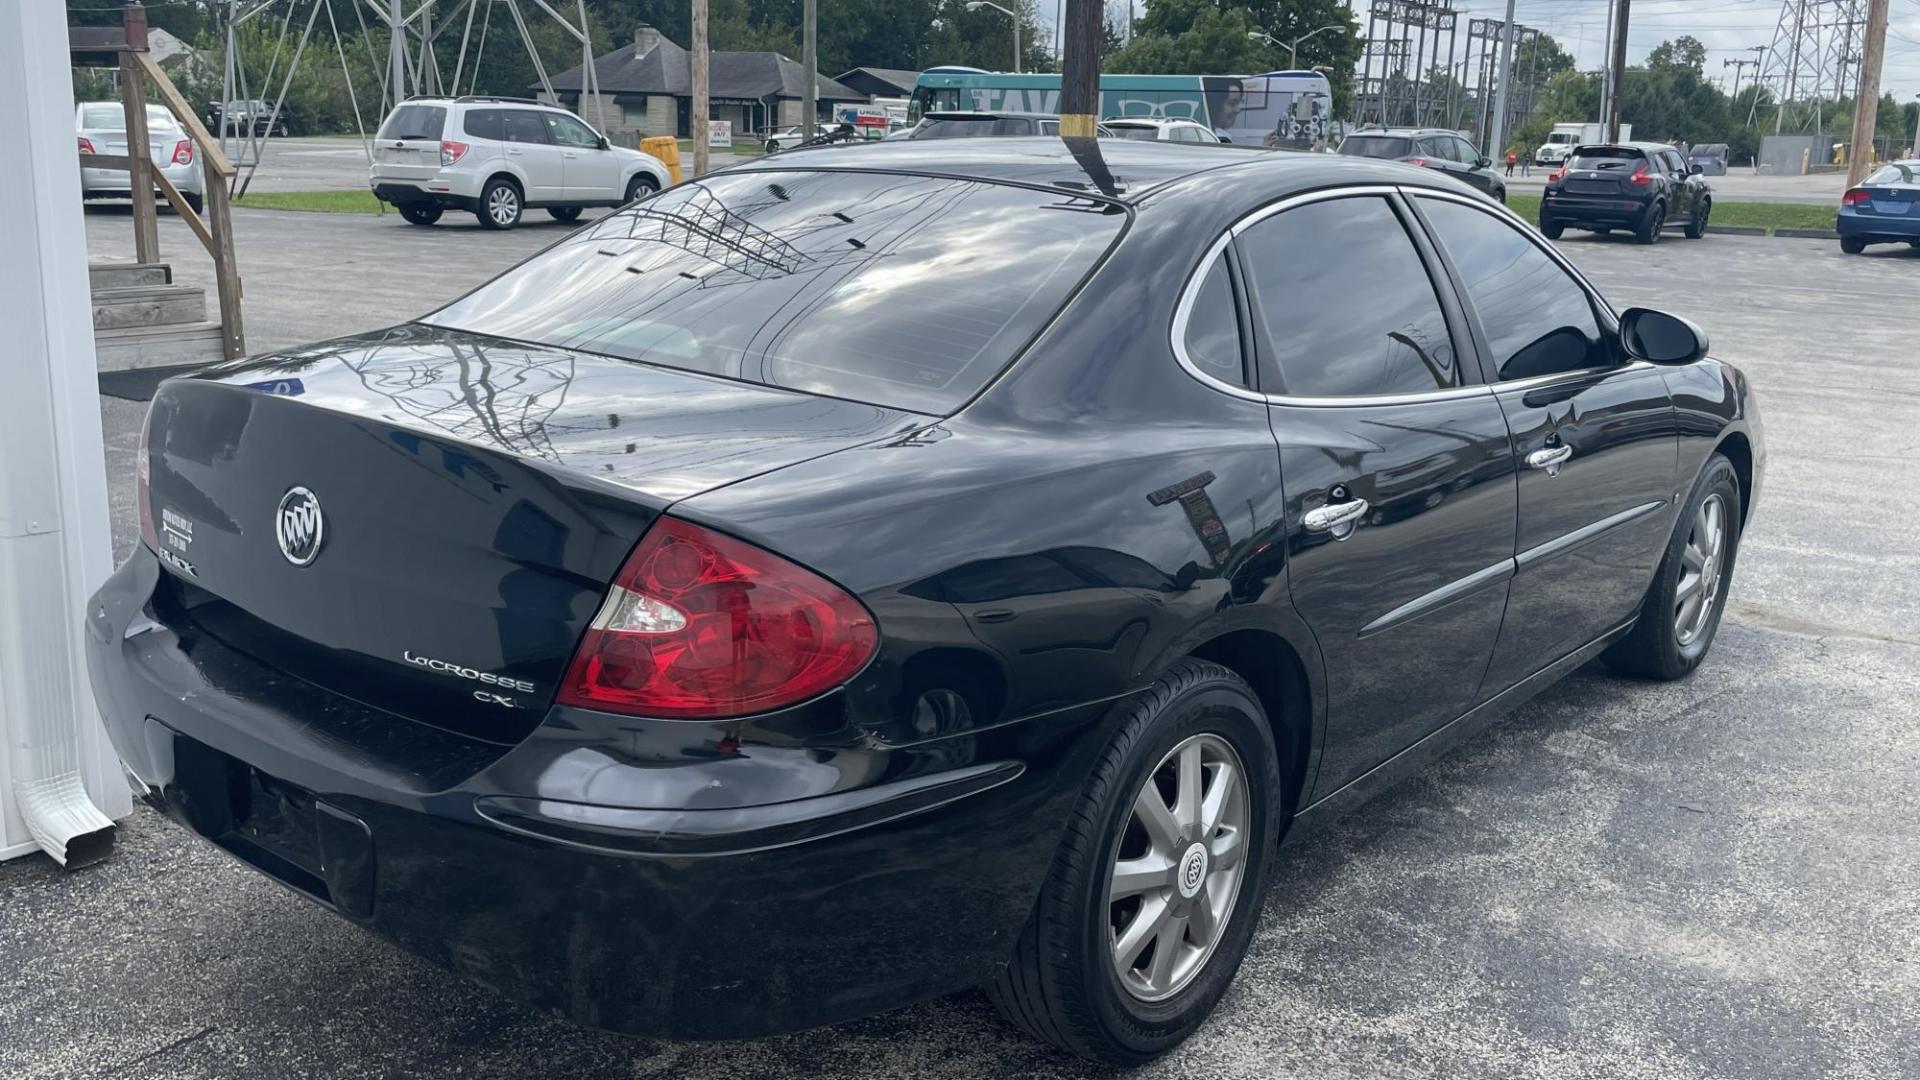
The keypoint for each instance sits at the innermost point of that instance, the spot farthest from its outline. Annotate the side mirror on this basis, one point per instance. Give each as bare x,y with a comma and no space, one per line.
602,141
1660,338
1694,170
1482,162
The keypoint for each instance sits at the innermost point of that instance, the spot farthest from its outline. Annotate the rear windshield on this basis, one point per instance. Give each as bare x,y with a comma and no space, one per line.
905,291
1377,146
935,128
1133,131
1594,158
1899,172
415,122
114,118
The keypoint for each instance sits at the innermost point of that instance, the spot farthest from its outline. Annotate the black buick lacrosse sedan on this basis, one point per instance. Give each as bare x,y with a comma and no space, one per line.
862,575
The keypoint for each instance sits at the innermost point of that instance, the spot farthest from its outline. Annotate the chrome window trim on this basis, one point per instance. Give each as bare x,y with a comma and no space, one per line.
1190,292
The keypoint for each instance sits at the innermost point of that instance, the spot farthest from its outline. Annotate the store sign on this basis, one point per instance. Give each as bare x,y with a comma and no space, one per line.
720,134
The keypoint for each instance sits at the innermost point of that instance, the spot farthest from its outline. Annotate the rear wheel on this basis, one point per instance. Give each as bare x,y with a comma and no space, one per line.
499,204
1651,224
640,187
1551,229
772,147
420,214
1697,224
1153,895
193,200
1681,612
564,213
1852,245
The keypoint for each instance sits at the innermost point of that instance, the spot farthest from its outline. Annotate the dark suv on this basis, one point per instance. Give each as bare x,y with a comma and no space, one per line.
1430,148
1635,186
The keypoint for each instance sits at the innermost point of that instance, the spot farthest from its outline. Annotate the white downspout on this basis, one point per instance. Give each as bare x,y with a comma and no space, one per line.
59,779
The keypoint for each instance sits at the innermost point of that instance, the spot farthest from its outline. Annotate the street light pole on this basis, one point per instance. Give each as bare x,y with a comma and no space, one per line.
976,5
1293,47
1496,129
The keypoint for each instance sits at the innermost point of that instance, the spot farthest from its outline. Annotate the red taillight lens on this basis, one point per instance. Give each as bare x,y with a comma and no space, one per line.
1420,161
1855,198
86,145
1640,178
451,151
183,152
1556,175
699,625
142,480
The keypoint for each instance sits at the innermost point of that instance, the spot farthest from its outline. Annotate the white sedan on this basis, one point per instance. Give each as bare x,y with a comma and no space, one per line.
102,129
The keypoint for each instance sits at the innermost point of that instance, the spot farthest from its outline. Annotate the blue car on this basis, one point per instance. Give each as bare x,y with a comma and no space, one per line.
1884,209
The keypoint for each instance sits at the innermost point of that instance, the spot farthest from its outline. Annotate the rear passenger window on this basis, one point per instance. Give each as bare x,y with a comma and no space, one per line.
485,124
1344,303
1212,338
414,122
1537,318
524,126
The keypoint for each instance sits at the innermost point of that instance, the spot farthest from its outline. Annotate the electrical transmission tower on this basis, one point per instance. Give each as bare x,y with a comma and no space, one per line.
1814,57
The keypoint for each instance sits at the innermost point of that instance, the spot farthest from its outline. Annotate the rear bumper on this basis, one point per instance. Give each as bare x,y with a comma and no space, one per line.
1584,210
739,890
436,192
112,183
1874,227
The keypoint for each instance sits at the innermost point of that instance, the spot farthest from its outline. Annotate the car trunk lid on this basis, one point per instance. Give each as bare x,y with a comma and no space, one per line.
459,502
408,146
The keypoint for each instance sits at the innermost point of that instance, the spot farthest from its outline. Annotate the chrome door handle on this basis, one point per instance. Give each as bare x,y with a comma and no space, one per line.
1334,515
1550,459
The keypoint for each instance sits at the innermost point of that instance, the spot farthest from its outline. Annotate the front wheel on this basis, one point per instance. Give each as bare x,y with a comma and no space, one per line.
1852,245
1697,224
640,187
1681,612
1651,224
563,213
499,205
1152,898
418,214
772,147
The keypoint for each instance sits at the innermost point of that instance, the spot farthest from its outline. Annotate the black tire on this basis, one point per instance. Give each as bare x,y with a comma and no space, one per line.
1914,244
1852,245
1060,986
419,213
1697,224
564,213
772,147
640,187
193,200
1551,229
1651,223
500,204
1655,648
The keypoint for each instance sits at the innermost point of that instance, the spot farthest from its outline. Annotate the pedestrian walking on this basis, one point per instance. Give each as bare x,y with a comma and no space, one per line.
1512,160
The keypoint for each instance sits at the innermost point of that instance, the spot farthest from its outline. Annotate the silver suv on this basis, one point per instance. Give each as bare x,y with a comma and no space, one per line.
497,157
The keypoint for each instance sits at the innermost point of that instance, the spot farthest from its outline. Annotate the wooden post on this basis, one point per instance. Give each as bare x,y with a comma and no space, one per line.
1866,102
1080,70
697,123
226,272
1619,66
146,225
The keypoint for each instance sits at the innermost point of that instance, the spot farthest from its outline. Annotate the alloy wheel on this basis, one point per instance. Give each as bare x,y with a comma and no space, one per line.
1178,867
1701,563
503,206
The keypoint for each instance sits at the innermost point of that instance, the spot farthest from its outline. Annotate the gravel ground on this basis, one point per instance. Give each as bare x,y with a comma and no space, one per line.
1715,878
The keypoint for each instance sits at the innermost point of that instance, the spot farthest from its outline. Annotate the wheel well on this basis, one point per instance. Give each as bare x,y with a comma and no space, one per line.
1279,679
1739,451
509,178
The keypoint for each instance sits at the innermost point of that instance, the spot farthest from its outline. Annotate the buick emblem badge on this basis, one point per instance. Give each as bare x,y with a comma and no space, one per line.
299,526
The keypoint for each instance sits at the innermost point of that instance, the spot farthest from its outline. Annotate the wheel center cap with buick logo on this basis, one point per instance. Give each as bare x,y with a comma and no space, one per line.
1193,871
299,526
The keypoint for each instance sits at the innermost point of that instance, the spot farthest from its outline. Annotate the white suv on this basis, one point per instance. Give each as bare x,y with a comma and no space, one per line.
497,157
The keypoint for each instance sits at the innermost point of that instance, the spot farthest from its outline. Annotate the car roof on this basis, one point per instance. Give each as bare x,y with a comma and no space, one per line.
1403,131
1150,121
973,114
1133,169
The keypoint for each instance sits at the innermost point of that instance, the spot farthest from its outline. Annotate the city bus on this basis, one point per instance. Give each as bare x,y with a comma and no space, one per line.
1291,109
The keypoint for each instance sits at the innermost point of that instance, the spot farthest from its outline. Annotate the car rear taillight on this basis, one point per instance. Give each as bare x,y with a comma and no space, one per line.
1420,161
1557,175
142,480
451,151
86,145
1855,197
699,625
1640,177
183,152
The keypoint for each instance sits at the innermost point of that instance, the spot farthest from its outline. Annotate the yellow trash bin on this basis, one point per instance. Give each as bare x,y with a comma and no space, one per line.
667,149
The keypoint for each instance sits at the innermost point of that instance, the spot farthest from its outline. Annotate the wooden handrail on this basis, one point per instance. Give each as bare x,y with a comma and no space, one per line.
178,106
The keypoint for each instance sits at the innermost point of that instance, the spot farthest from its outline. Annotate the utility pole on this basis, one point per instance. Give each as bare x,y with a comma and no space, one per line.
1080,70
1619,44
1606,68
1497,127
1866,102
697,123
810,58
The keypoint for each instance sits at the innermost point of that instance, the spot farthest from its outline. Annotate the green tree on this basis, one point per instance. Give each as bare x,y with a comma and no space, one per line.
1199,37
1684,51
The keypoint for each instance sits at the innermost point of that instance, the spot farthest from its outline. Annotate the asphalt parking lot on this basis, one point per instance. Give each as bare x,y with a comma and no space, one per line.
1715,878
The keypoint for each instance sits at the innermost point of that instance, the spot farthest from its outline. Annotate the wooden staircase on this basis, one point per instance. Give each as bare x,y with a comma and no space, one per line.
142,319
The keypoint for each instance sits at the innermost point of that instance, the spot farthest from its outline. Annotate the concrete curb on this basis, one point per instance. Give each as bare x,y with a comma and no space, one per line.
1736,230
1808,234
